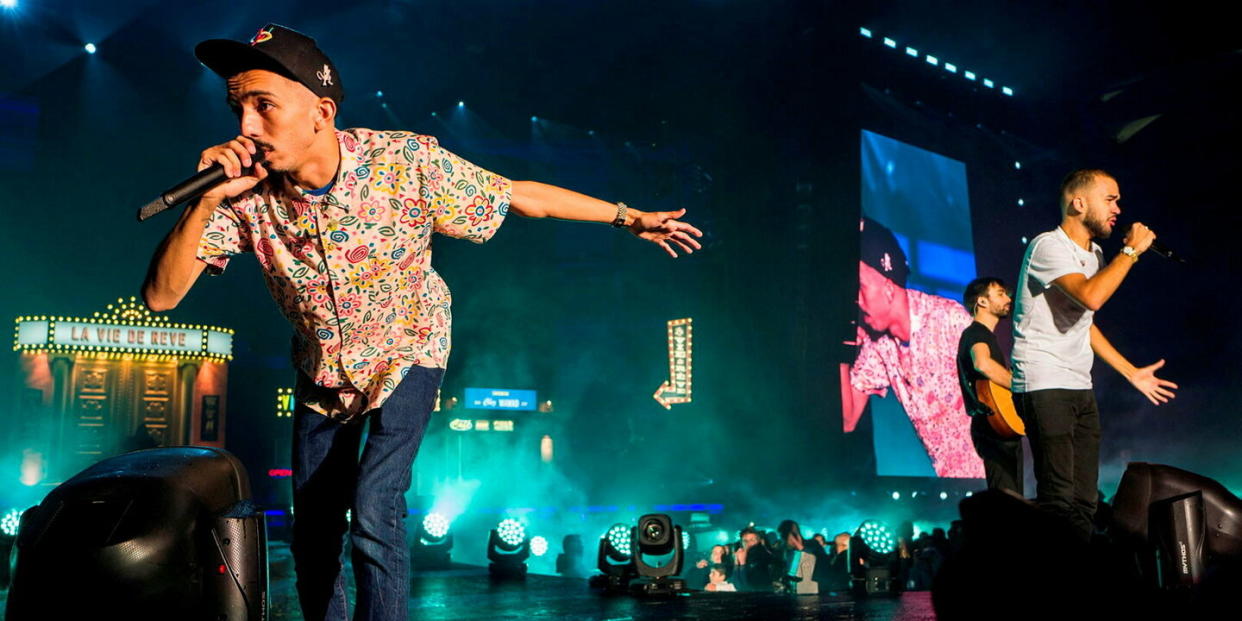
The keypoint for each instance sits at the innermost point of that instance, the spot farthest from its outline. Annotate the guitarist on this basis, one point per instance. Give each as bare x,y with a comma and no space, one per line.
979,357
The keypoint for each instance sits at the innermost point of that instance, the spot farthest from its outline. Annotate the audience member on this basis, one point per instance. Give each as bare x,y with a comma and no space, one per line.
718,581
752,562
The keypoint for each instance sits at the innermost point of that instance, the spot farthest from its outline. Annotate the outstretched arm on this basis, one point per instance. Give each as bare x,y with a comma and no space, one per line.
1143,378
532,199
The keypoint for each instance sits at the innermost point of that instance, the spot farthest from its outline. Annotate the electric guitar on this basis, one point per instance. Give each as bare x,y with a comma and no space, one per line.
1001,414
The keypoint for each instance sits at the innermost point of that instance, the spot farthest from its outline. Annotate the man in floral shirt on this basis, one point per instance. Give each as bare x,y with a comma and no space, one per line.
341,222
909,345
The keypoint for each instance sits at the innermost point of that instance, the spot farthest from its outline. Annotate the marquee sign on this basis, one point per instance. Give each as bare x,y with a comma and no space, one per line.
678,387
125,328
500,399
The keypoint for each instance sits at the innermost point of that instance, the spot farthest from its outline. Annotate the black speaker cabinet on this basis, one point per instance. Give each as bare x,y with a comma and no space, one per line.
1143,484
166,533
1177,527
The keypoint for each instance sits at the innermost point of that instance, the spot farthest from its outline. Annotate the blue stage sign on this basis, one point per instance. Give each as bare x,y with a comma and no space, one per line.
499,399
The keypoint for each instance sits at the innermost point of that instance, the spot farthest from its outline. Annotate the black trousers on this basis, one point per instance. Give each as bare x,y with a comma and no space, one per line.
1063,427
1002,457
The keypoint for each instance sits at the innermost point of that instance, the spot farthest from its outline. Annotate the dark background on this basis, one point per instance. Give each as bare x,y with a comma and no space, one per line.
745,112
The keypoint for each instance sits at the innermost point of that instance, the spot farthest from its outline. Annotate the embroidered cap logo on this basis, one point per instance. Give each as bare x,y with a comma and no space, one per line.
325,76
264,34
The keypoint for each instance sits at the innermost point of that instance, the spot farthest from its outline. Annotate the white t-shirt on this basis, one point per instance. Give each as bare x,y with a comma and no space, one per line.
1051,330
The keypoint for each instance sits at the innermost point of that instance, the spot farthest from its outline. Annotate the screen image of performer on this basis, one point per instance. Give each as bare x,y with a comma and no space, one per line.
340,222
979,358
1064,280
907,341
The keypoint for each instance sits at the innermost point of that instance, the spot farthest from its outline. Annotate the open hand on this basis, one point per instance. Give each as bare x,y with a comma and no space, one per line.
663,229
1155,389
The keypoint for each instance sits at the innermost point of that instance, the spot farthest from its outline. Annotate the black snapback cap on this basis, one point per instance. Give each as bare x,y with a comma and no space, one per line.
277,49
878,248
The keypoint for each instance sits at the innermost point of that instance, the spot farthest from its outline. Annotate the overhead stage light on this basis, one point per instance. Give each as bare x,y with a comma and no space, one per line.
619,539
950,67
874,544
511,532
864,32
890,43
90,48
508,549
877,536
8,536
988,83
10,522
615,561
1006,90
433,543
538,546
8,4
932,60
970,75
658,556
912,52
435,525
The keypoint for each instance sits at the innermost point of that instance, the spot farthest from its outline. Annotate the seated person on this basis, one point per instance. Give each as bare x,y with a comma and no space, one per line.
718,581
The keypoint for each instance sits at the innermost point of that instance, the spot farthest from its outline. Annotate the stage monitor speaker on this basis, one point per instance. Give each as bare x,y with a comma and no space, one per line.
166,533
1144,484
1177,525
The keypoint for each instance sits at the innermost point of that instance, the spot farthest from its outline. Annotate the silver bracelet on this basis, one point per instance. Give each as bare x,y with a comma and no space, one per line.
619,221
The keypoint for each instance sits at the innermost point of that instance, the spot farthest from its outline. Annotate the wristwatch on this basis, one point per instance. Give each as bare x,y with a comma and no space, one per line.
1130,252
622,210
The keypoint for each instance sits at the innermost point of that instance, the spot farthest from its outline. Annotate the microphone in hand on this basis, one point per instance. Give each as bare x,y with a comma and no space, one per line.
1158,247
192,188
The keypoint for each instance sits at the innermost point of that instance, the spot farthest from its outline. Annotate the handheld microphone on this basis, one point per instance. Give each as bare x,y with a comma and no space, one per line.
1159,248
190,189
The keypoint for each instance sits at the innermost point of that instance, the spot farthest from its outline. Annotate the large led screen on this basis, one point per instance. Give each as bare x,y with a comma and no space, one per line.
916,256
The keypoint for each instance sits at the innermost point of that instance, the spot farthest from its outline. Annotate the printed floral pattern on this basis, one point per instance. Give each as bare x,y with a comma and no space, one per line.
923,373
351,270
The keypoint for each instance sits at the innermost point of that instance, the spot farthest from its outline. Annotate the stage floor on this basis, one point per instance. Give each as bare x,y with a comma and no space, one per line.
467,592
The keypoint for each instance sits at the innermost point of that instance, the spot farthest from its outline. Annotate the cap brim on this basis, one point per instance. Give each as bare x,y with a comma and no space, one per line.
228,58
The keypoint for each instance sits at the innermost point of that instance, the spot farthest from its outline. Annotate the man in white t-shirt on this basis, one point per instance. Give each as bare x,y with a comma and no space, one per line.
1064,280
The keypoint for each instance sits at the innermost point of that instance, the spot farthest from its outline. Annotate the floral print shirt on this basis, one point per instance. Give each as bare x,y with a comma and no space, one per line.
351,269
923,373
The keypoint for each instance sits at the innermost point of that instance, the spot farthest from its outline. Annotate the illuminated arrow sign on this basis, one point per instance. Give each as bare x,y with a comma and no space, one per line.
677,389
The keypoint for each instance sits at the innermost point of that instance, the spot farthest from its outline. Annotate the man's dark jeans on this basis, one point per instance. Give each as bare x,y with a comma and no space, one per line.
1002,457
1063,427
330,478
